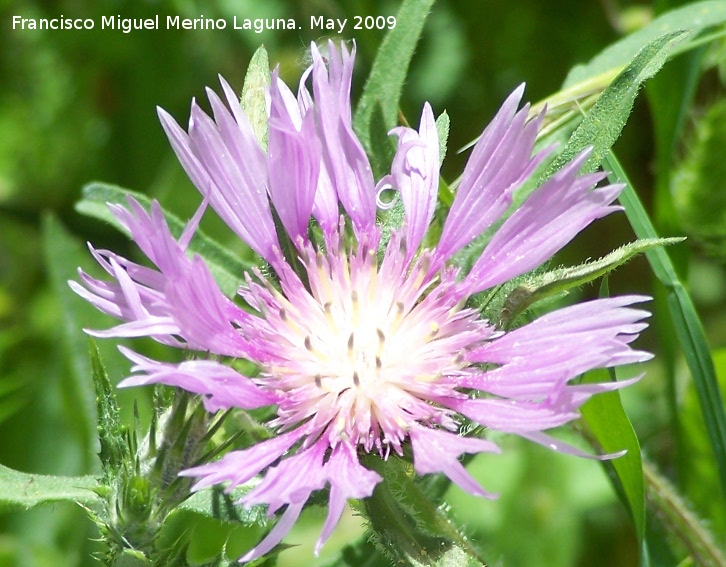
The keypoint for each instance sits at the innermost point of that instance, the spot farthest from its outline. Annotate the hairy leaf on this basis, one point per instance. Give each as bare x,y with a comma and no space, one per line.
698,183
377,109
551,283
110,431
442,129
253,94
603,124
22,491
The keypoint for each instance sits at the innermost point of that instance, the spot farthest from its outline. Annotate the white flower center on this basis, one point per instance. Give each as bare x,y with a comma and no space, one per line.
364,349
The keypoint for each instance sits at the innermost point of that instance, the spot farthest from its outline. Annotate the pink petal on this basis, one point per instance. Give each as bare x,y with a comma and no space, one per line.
415,173
436,451
348,479
293,164
562,447
276,535
234,163
601,324
547,220
148,327
225,387
238,467
291,481
346,162
513,416
499,164
227,166
205,315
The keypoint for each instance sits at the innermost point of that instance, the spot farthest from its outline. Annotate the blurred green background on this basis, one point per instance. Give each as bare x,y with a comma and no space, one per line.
77,106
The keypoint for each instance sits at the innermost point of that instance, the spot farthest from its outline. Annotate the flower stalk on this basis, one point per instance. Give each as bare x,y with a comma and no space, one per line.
410,529
681,521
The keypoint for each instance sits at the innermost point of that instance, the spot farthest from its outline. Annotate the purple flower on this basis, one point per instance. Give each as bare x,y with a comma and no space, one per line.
375,346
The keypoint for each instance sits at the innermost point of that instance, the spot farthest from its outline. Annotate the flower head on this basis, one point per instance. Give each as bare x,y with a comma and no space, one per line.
364,344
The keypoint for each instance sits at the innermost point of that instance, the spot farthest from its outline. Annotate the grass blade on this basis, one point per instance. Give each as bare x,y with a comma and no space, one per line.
689,332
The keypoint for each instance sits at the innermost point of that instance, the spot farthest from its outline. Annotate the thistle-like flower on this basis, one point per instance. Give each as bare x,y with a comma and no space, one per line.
364,343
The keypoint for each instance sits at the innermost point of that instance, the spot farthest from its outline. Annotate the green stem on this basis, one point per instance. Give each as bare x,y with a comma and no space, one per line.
409,528
681,521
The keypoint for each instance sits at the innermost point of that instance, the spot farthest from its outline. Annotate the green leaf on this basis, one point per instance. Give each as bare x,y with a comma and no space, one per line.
603,124
219,505
377,109
22,491
557,281
114,449
227,269
252,100
689,331
695,17
442,129
63,255
606,419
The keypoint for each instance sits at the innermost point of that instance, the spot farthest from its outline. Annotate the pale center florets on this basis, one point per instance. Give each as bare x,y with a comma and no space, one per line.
368,348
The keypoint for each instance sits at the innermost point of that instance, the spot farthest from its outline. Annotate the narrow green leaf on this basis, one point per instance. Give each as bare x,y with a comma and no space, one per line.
442,129
548,284
606,419
696,17
446,195
22,491
670,96
377,108
585,83
689,331
253,94
114,449
63,255
603,124
227,269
